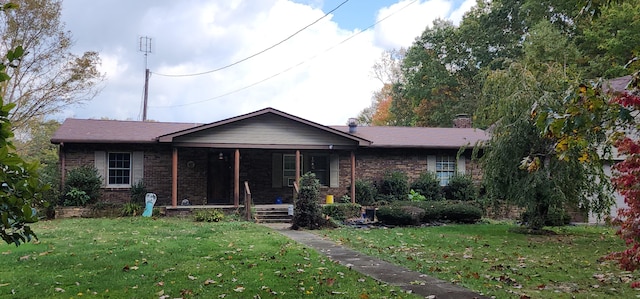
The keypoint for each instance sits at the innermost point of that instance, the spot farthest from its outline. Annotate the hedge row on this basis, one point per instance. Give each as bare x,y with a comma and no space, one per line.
342,211
416,213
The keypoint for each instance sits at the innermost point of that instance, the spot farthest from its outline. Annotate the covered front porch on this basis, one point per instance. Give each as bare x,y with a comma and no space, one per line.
265,151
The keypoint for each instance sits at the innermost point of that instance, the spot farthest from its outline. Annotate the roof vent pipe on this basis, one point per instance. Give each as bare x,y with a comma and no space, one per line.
353,125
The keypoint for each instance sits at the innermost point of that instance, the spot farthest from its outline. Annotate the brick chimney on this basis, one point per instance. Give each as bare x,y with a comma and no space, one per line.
462,121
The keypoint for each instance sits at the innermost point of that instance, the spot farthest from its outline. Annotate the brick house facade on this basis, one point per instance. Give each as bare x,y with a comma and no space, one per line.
208,164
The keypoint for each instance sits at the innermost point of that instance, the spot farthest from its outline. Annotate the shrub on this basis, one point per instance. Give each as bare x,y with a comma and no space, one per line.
138,192
342,211
395,184
429,186
461,213
400,215
131,209
555,217
308,213
208,215
365,193
461,188
415,196
82,186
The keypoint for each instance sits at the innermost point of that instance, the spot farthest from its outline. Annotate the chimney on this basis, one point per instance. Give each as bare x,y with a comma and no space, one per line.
353,125
462,121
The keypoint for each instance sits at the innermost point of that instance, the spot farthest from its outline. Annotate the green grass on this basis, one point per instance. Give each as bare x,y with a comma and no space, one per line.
490,259
171,258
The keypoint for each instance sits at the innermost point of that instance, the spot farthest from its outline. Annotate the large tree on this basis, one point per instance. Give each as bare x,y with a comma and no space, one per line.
19,184
520,163
49,77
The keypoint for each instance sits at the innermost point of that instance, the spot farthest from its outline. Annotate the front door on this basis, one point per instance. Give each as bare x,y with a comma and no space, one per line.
219,174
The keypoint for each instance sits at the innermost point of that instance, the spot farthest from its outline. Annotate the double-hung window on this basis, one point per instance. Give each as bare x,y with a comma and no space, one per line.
289,169
445,169
119,169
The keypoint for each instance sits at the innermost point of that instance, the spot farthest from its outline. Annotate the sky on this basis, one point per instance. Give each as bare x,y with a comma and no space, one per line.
212,60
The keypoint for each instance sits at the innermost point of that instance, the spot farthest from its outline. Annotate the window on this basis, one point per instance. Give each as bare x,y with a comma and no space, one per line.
119,169
319,165
289,169
445,169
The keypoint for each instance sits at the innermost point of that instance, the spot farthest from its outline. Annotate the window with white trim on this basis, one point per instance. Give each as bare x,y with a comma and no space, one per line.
289,169
119,169
445,169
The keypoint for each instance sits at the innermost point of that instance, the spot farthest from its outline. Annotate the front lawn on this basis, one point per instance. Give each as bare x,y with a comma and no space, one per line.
490,259
173,258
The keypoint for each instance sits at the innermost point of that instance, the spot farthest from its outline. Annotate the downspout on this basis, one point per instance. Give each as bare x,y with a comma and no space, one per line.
174,178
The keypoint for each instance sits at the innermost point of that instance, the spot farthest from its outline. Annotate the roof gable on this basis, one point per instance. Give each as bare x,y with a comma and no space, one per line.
269,128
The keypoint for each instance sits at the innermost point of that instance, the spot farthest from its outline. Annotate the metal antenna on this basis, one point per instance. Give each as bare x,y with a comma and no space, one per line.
145,47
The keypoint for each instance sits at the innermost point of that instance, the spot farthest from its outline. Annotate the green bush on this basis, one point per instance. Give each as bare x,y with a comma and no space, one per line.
415,196
365,193
400,215
138,192
461,188
555,217
131,209
461,213
208,215
342,211
447,211
395,184
82,186
307,210
428,186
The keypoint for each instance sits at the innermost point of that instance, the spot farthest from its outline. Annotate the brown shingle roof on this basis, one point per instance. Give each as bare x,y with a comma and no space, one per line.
419,137
114,131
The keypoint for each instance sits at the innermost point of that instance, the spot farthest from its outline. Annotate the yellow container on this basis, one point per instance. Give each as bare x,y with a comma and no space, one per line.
329,199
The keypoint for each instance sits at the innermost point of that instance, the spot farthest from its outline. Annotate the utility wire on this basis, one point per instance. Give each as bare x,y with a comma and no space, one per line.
289,68
258,53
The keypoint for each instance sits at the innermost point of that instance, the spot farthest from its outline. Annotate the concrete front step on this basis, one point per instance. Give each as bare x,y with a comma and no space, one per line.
272,214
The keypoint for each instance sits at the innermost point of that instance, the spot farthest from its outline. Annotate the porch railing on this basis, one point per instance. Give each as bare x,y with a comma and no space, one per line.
247,201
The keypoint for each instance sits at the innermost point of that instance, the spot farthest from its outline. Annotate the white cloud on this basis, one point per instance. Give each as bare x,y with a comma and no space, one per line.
314,82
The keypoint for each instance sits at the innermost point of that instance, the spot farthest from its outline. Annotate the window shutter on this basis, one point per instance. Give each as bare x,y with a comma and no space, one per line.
276,170
100,162
431,163
334,171
137,165
462,165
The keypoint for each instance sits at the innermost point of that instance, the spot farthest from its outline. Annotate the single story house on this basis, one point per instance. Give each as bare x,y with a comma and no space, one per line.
268,149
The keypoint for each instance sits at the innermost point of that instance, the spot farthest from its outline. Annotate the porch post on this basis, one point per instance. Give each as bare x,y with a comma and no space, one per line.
353,177
298,166
236,178
62,158
174,178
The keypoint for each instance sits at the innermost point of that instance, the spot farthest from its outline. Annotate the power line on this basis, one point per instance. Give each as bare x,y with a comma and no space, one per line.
291,67
258,53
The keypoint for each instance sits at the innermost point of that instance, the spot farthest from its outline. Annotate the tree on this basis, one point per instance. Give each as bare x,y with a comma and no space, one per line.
48,77
520,162
307,212
19,184
387,71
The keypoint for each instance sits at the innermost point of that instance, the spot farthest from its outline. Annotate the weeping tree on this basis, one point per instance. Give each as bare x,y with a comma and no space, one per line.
520,163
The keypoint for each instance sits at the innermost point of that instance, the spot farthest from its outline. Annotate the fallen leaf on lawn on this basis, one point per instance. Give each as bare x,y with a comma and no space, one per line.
330,281
239,289
160,283
6,252
45,253
61,290
192,277
134,268
25,257
209,281
160,293
219,275
222,295
125,268
364,296
4,285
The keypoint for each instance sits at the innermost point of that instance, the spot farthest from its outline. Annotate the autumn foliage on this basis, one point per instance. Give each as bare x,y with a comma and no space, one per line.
626,180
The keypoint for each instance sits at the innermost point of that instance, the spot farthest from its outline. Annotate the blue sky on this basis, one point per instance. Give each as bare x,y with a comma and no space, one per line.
322,74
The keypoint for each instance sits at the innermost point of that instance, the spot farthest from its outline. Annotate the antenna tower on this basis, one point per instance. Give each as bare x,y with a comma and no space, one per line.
145,47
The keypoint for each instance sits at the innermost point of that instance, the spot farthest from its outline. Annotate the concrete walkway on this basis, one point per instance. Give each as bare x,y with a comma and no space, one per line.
417,283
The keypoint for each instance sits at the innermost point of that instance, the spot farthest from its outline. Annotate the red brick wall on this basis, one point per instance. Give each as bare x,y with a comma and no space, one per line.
255,167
